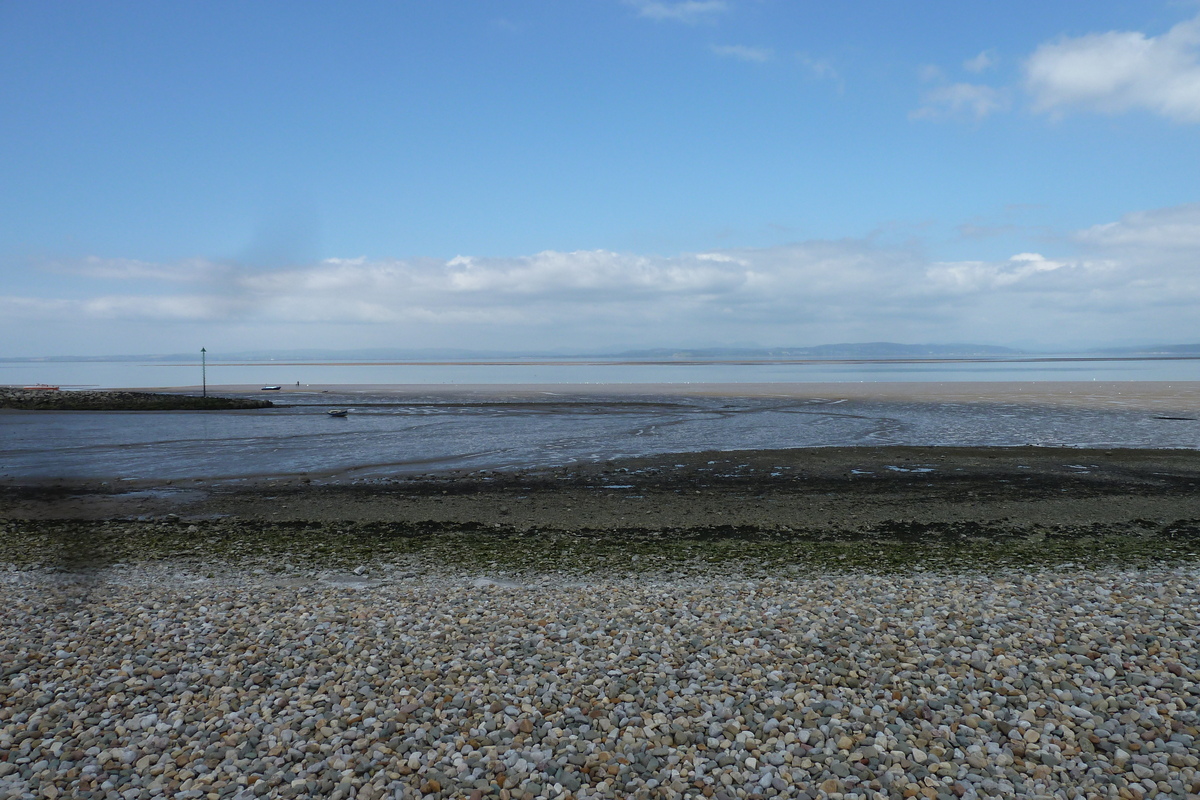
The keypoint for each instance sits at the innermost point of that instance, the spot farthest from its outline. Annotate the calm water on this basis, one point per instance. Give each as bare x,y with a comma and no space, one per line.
388,434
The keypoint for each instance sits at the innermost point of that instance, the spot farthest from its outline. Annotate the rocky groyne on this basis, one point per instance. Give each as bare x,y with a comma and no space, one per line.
53,400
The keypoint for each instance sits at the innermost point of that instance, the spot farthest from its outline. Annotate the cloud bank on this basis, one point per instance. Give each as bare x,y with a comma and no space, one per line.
1130,279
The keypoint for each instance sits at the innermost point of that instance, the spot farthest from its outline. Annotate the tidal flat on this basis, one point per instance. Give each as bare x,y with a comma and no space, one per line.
871,509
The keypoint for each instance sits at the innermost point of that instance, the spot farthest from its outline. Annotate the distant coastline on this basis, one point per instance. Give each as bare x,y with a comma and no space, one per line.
698,362
677,370
858,352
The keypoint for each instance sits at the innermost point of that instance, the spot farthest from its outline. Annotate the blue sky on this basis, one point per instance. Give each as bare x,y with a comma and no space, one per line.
596,174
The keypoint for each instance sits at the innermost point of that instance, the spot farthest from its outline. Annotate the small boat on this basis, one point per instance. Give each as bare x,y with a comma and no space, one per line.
337,412
43,387
271,388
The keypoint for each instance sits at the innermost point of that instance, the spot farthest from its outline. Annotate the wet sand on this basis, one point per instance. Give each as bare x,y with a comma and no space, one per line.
1181,397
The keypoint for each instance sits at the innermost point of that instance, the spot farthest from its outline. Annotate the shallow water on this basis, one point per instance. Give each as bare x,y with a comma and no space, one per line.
401,433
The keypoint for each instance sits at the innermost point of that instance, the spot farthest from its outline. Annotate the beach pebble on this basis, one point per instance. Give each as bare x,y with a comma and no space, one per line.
149,682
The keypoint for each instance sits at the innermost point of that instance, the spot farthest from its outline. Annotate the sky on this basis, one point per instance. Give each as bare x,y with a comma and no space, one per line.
597,175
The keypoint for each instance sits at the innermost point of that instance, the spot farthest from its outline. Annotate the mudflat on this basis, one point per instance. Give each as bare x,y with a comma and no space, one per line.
854,488
903,504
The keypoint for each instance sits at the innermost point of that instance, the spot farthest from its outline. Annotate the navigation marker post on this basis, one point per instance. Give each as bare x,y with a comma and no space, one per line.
204,371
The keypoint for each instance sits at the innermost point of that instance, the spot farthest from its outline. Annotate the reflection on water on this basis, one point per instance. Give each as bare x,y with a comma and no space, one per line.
408,434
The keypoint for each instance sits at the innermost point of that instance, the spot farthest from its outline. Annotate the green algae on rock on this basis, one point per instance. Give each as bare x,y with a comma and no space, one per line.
43,400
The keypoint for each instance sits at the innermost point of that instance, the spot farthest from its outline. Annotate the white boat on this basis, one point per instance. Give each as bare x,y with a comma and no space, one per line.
271,388
337,412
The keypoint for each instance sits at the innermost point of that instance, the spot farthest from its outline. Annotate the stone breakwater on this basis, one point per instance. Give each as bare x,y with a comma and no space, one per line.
157,683
43,400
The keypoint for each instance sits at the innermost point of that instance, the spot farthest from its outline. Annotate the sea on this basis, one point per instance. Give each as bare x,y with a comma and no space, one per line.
411,418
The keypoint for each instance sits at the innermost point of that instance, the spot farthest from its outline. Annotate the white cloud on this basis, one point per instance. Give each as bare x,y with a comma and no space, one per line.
689,11
961,100
1134,276
1023,271
1110,73
722,258
549,286
741,52
819,69
929,73
171,308
982,62
1160,231
1120,71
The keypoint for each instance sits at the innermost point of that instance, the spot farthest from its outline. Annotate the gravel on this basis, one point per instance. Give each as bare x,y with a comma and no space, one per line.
153,681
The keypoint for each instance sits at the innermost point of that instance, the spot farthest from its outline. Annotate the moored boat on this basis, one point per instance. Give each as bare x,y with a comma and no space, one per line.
337,412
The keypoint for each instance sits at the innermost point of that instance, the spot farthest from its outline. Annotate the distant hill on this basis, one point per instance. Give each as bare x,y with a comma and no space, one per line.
848,350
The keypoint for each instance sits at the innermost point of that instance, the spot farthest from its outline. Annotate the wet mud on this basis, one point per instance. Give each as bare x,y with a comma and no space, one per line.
858,508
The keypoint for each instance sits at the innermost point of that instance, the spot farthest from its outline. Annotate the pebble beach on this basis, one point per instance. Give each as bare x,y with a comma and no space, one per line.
156,681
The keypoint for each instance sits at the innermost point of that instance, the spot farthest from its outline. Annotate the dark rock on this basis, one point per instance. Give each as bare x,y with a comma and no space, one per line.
44,400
